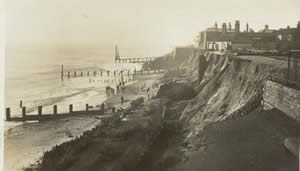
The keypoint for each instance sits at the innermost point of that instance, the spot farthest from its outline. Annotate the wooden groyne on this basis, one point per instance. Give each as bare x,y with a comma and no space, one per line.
55,115
110,74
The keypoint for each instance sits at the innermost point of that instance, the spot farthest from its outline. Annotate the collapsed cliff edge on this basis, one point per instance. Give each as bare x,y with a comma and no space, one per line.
224,126
211,119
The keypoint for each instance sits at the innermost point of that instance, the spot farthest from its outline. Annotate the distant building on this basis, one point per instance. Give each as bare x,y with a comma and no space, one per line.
231,39
288,38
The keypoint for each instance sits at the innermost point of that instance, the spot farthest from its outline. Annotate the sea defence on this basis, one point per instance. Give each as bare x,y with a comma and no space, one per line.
44,117
283,98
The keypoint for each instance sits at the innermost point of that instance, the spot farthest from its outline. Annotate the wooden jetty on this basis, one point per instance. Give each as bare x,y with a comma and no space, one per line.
142,60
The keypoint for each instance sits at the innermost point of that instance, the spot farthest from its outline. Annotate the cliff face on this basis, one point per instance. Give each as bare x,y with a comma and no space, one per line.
227,87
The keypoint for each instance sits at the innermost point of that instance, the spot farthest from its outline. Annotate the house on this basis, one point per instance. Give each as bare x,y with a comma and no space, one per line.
288,38
227,38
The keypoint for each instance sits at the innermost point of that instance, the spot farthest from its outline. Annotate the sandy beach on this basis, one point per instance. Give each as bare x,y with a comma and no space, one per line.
25,143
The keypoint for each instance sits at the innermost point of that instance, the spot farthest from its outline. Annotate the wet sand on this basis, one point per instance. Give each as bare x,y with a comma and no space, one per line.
25,143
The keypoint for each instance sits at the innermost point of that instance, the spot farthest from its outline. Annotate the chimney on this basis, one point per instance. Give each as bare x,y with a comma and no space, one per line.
298,25
216,26
229,26
247,27
266,27
237,26
224,28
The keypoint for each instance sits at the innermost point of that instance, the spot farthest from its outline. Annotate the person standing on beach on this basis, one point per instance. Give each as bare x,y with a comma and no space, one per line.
122,100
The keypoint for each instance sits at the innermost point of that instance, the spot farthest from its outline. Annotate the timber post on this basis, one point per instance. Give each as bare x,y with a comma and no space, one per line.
40,109
87,107
62,72
55,109
8,114
24,113
71,108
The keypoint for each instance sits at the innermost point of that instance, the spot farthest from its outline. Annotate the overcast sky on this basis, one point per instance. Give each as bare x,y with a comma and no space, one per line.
139,27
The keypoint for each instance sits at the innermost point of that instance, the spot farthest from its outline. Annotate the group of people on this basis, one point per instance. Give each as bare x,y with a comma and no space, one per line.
108,81
144,88
120,88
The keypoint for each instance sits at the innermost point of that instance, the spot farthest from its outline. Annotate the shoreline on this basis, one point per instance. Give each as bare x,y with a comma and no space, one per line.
55,130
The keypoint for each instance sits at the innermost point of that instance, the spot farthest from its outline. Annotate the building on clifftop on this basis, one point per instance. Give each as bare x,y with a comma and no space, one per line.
227,38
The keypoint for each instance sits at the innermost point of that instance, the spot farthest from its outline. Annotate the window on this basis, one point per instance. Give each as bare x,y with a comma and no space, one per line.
290,37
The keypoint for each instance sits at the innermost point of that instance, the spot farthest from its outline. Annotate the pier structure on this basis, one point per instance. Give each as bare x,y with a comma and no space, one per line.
141,60
134,60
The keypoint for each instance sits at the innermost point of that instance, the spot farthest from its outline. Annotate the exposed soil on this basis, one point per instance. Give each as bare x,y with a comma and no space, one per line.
114,145
252,142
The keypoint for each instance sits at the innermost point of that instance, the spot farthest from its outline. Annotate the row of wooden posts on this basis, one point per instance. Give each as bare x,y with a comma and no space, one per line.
41,116
108,73
134,60
94,74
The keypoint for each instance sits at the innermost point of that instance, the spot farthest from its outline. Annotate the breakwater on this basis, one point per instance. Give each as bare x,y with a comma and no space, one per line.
44,117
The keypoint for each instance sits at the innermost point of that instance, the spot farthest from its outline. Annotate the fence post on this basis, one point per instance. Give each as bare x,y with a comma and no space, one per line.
68,74
75,74
88,73
81,74
71,108
62,72
87,107
24,113
40,109
8,114
55,109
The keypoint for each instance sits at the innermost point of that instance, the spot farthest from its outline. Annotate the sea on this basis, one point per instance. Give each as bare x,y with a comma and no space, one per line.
36,81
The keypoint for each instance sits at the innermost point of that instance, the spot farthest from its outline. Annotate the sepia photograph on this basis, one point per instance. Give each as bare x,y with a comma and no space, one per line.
160,85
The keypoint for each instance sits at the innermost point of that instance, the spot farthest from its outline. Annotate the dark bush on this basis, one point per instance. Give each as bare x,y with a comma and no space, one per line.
176,91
